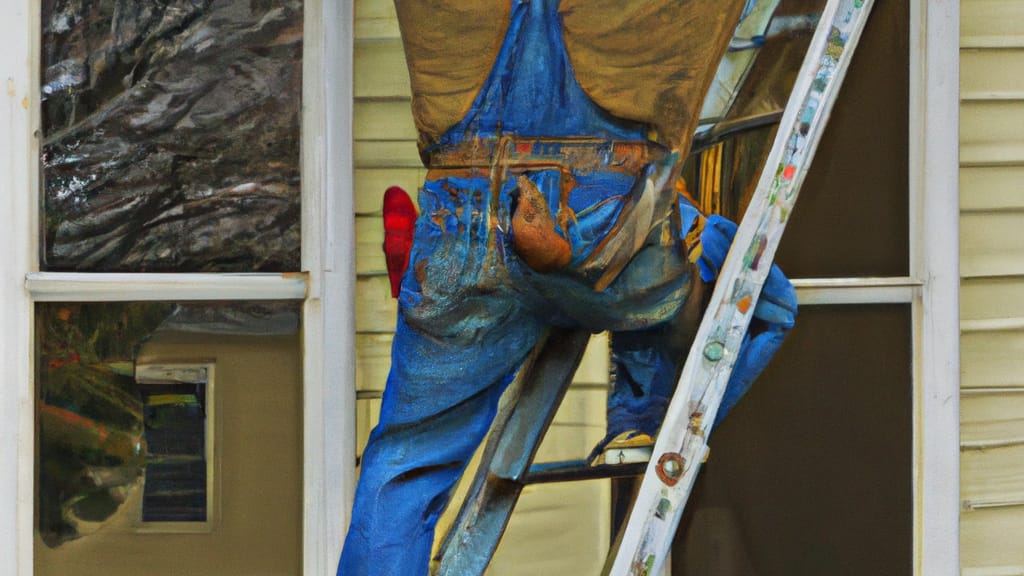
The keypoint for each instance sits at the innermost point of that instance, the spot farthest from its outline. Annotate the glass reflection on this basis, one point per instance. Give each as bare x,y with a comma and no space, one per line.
182,420
90,413
171,135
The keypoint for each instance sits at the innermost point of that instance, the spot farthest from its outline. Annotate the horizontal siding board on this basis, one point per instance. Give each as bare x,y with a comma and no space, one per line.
993,571
992,188
992,475
374,9
992,359
375,19
370,184
990,71
984,155
383,120
379,70
989,265
990,132
393,154
375,308
991,417
373,361
986,18
369,245
376,28
991,298
992,537
992,433
991,244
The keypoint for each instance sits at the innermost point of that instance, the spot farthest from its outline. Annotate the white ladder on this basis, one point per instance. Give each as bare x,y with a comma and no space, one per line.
681,446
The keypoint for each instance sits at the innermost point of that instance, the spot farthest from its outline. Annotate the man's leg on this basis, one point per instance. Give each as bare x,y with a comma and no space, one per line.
647,363
438,405
461,335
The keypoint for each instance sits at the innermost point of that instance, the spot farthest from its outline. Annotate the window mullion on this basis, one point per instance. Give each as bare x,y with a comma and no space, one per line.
328,256
934,257
862,290
18,180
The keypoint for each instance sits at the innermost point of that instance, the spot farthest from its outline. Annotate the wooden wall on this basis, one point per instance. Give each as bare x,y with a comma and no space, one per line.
557,529
992,285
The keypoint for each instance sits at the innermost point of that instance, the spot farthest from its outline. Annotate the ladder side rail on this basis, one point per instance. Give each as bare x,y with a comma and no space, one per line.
681,445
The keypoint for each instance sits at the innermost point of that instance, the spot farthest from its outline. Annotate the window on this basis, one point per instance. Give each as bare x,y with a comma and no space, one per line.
89,260
177,416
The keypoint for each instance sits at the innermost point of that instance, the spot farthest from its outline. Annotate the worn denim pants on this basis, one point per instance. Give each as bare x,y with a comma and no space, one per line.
470,311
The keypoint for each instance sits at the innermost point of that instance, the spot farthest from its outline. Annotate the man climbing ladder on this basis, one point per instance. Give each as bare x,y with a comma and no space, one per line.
553,133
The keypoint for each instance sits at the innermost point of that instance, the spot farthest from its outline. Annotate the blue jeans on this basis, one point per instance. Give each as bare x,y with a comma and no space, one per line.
470,311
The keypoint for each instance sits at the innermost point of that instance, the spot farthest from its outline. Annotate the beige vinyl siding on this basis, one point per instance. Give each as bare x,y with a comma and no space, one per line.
992,286
556,529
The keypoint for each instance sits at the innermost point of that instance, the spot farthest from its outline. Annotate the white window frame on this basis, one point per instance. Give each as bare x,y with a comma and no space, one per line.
327,284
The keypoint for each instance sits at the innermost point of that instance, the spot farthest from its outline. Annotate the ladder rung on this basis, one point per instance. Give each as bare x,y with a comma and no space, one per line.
573,470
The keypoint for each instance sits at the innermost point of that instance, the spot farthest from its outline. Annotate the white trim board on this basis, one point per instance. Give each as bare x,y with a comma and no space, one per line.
329,402
934,258
18,179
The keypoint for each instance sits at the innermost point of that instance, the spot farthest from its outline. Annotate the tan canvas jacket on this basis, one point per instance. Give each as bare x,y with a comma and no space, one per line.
646,60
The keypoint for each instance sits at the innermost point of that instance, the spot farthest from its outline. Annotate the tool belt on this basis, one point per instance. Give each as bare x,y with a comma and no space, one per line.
576,154
645,208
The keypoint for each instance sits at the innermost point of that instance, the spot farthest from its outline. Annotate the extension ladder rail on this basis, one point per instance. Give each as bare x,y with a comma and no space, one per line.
681,446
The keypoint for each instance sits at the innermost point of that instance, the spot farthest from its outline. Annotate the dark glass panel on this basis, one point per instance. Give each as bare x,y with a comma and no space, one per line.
175,416
853,215
171,135
811,473
853,212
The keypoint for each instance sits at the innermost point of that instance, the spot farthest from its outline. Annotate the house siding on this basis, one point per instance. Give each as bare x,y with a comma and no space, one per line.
992,280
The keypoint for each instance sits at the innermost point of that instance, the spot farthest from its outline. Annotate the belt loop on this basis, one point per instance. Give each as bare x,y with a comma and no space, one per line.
498,171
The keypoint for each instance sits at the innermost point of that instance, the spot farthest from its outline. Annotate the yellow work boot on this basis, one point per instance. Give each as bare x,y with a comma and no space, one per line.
626,448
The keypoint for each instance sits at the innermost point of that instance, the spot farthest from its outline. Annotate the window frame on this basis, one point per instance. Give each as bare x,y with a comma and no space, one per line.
157,373
326,285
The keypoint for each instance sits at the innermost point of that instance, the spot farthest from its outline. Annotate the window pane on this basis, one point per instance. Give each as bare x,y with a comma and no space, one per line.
171,135
853,213
176,411
164,427
853,217
811,473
